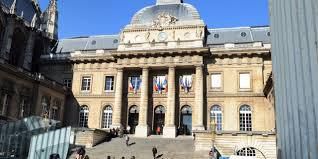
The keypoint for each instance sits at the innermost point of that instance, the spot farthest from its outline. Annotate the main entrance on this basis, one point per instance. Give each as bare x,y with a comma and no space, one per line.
159,120
133,118
185,127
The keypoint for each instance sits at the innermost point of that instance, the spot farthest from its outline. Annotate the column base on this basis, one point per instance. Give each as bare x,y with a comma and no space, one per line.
142,131
170,132
198,128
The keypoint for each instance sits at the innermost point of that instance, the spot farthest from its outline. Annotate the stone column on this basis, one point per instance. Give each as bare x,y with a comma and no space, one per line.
7,39
27,63
118,99
142,130
197,118
169,130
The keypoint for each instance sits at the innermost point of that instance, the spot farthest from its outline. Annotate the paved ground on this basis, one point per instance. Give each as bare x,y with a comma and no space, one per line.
179,148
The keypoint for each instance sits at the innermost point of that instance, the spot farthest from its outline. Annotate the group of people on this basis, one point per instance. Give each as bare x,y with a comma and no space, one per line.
114,132
80,153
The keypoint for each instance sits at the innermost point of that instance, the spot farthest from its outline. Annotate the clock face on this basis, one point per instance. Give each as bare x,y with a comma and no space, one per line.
162,36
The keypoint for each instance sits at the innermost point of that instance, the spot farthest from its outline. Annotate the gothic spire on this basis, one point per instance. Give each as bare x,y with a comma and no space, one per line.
50,20
163,2
13,8
33,22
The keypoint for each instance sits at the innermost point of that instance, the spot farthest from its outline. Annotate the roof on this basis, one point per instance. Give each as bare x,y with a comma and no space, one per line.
182,12
26,8
238,35
102,42
215,37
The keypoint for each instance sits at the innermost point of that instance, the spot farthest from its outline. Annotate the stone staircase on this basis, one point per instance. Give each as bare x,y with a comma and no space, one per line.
141,148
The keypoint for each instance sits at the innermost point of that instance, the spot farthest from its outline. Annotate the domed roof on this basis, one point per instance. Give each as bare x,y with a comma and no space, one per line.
182,11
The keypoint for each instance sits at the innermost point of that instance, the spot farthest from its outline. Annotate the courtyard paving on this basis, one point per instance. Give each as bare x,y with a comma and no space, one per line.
179,148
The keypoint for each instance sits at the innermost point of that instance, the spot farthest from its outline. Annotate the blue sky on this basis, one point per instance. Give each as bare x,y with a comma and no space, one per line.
96,17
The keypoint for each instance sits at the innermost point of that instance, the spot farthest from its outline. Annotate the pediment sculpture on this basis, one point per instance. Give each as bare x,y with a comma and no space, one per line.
164,19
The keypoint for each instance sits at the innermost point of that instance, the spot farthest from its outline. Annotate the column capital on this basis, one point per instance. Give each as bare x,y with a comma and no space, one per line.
199,65
172,66
120,69
145,67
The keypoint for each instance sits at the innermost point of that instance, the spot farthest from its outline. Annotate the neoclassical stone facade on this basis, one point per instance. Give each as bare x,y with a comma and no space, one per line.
167,74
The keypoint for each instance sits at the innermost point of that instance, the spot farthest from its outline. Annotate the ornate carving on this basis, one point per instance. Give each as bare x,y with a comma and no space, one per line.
164,19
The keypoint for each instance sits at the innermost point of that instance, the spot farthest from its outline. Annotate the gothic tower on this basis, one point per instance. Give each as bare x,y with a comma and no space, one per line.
50,20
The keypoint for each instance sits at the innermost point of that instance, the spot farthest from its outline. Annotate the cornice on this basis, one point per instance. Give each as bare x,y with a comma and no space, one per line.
161,52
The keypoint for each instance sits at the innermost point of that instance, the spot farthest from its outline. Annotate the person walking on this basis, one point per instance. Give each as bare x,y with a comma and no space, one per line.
158,130
127,140
154,152
80,153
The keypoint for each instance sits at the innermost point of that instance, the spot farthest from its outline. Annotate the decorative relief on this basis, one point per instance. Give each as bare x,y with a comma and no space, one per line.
164,19
187,35
138,38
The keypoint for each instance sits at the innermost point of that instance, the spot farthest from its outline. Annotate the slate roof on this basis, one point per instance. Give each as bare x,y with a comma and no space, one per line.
102,42
216,37
238,35
25,7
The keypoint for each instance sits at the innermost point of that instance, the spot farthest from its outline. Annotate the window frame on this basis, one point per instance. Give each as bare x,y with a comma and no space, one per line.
67,82
219,125
85,112
90,84
246,152
107,117
105,83
248,119
239,81
216,89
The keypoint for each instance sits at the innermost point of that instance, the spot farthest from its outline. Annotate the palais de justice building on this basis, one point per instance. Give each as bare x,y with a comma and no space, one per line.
167,74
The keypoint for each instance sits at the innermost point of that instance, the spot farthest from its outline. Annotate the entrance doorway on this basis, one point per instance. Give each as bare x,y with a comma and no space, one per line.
185,127
159,120
133,118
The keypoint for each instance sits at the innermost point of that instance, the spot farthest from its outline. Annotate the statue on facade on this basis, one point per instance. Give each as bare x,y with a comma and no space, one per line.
164,19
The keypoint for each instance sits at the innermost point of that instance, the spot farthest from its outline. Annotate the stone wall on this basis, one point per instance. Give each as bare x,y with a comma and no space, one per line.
89,137
228,143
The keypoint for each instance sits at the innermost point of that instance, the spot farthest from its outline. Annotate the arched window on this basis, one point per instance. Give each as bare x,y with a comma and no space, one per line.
245,118
83,116
18,45
160,110
45,107
55,109
107,117
216,117
246,151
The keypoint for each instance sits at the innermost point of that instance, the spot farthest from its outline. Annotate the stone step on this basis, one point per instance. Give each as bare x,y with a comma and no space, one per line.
141,148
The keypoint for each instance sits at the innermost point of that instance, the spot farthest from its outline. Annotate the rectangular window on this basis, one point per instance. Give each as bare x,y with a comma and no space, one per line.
216,81
5,102
245,81
86,83
109,83
67,83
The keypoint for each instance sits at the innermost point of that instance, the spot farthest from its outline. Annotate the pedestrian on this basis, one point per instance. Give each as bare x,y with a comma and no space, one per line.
158,130
116,132
80,153
154,152
193,136
127,140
